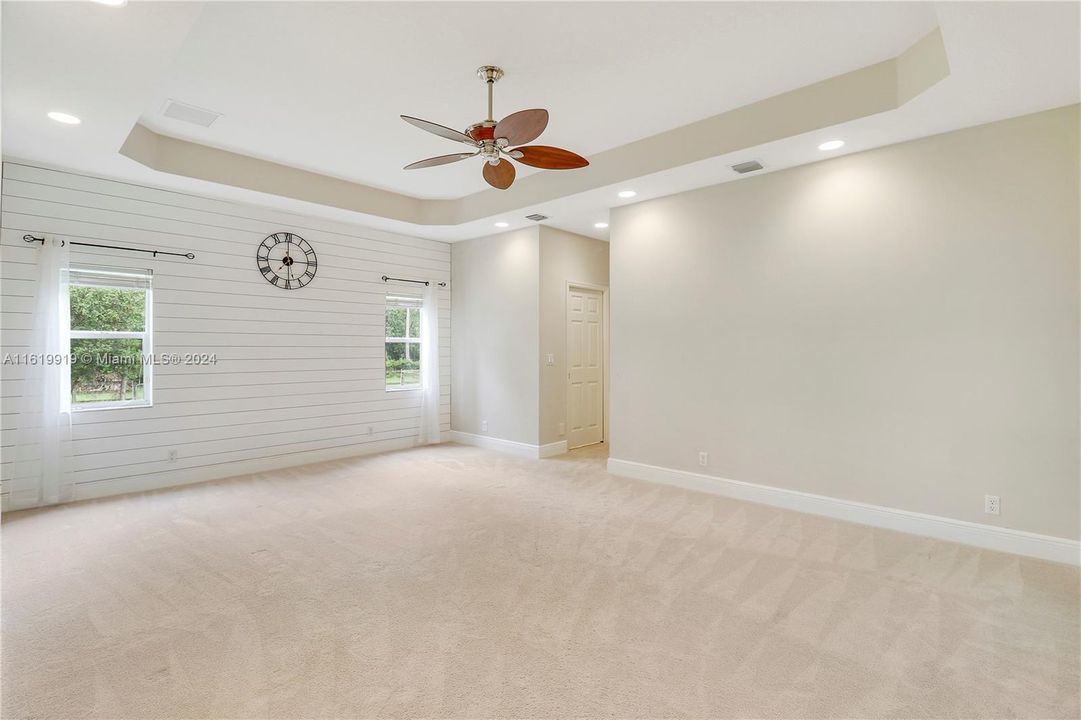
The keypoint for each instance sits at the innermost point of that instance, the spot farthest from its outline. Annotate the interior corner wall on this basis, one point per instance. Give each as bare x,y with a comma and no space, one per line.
494,351
897,327
564,258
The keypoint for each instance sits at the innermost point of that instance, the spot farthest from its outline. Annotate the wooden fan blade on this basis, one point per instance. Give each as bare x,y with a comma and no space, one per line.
523,126
440,160
550,158
440,130
499,176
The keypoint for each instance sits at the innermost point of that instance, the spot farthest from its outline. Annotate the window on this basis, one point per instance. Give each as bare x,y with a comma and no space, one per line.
110,312
403,342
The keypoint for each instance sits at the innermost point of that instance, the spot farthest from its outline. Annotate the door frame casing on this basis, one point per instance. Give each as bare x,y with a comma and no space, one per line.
603,290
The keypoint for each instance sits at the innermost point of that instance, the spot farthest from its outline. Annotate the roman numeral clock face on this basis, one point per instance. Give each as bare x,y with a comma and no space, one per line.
286,260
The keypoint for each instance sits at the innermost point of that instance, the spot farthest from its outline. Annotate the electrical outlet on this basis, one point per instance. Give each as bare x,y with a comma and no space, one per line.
562,428
371,430
484,426
549,359
991,504
703,458
172,455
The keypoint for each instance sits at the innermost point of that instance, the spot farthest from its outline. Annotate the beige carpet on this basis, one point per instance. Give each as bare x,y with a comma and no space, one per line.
456,582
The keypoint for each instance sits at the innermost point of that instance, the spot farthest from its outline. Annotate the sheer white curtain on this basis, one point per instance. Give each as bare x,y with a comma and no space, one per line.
429,365
42,472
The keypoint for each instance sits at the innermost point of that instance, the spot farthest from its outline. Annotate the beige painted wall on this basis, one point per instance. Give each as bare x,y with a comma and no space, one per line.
564,257
494,301
508,310
898,327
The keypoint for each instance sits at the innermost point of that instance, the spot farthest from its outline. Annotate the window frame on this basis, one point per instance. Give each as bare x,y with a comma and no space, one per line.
413,304
146,335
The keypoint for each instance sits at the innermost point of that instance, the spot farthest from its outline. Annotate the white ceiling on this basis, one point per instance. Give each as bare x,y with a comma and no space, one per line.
320,86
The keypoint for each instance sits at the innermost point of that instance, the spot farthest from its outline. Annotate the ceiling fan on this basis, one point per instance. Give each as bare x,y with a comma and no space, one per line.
492,140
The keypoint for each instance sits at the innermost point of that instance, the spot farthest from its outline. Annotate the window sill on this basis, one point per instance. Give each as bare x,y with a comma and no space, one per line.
110,406
398,389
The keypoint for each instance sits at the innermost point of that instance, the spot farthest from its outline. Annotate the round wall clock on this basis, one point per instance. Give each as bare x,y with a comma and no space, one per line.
286,260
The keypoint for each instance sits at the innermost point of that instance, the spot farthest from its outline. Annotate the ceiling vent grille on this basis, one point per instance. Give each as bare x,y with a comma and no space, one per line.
189,113
746,167
536,217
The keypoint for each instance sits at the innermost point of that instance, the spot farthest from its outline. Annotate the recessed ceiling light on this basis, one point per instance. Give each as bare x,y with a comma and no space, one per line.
627,193
600,226
65,118
831,145
502,224
112,3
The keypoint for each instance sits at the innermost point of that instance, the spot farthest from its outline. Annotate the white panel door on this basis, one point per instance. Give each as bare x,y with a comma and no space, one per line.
585,367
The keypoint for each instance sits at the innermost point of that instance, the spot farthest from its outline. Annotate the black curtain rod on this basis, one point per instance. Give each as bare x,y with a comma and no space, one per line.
419,282
155,253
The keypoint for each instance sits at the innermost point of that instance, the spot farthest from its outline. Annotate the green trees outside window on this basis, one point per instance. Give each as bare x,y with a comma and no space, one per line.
402,343
107,344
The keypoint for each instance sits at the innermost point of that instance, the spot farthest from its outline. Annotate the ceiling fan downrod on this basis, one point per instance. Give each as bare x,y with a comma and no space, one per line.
490,74
483,132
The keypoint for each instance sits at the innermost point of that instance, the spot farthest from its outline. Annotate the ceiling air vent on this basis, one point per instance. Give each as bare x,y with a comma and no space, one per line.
536,217
189,113
746,167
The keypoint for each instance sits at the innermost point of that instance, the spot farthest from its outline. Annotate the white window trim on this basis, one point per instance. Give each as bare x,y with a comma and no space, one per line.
409,309
147,352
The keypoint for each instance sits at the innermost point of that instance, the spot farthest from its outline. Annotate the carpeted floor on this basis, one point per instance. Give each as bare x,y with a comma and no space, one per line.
456,582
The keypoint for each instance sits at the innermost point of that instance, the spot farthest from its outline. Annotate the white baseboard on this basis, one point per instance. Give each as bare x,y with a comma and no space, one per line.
552,449
190,476
11,502
990,537
493,443
512,447
24,499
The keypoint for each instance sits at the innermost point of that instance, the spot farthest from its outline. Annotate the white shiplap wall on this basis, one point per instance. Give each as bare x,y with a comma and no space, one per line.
299,376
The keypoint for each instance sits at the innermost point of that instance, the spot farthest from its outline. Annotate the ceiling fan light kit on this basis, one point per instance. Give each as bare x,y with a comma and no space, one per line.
494,142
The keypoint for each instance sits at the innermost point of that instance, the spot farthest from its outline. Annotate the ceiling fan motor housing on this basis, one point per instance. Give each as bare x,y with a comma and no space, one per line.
482,131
